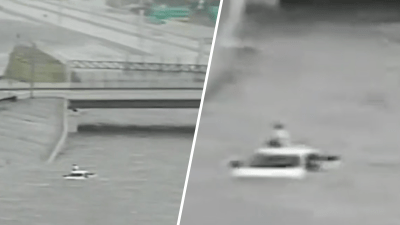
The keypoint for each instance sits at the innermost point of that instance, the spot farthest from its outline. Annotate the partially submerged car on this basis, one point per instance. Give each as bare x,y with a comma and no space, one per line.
79,175
285,162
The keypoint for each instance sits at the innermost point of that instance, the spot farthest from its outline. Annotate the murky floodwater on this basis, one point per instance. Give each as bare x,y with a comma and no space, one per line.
141,172
140,178
335,85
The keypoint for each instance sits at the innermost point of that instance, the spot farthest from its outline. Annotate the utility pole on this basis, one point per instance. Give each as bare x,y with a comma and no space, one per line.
32,75
60,18
17,39
200,50
60,9
140,31
141,23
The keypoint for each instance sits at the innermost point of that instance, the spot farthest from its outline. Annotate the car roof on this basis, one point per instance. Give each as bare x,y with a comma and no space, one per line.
295,150
79,171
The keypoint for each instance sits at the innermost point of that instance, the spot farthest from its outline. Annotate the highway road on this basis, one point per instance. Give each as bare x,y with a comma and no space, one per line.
97,8
149,45
122,27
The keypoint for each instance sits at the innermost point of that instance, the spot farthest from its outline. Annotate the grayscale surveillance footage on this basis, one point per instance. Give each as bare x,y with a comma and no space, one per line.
300,122
98,107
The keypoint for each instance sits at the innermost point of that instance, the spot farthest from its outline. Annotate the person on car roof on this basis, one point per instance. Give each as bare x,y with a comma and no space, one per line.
75,167
280,136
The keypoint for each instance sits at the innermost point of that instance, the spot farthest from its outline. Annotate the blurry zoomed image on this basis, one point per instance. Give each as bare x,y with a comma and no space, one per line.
300,120
98,107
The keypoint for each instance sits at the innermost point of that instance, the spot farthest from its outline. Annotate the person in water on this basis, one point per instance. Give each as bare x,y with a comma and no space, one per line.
280,136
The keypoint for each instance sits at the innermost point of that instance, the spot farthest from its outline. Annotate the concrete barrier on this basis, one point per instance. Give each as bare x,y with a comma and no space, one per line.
63,134
104,84
8,97
5,94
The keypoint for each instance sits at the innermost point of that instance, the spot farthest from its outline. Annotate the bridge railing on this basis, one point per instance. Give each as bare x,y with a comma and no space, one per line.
147,71
148,66
88,86
125,74
127,79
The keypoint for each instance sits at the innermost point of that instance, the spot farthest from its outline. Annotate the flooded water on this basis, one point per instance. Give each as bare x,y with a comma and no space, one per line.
141,174
140,156
335,85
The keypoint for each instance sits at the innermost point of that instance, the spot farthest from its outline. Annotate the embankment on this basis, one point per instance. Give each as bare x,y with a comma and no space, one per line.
30,129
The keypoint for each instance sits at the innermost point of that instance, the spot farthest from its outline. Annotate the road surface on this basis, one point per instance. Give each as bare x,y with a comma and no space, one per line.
110,32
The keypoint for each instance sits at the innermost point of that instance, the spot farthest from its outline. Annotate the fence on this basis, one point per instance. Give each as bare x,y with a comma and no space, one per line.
27,64
125,74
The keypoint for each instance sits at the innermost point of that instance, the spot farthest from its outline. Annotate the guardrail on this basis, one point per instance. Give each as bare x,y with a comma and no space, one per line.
101,85
124,74
139,66
133,79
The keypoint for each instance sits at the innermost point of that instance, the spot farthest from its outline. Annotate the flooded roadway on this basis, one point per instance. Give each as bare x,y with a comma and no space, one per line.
141,175
335,85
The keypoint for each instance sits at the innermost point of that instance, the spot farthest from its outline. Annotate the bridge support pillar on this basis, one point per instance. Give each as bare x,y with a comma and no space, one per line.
73,121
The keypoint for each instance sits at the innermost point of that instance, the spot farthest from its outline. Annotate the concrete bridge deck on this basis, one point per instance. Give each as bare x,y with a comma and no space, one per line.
104,85
140,96
134,94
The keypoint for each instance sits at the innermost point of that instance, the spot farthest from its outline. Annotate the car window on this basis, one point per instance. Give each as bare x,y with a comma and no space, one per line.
274,161
76,175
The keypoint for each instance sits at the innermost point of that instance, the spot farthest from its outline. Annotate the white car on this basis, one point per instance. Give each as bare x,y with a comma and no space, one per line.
79,175
286,162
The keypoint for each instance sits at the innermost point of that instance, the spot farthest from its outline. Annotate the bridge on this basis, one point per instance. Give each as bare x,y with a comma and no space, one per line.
116,84
141,93
110,72
95,97
109,84
139,96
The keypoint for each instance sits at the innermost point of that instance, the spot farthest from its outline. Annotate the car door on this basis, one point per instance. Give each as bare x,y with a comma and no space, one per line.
312,162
